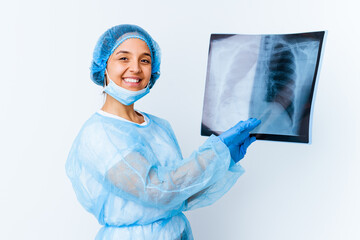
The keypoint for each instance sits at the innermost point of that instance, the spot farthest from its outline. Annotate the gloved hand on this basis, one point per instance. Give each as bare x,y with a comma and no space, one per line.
237,138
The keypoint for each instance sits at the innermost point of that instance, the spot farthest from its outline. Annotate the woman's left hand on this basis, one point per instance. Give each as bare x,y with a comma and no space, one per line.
238,152
238,139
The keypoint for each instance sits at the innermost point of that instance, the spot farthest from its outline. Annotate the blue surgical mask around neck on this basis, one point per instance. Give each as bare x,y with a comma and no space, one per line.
123,95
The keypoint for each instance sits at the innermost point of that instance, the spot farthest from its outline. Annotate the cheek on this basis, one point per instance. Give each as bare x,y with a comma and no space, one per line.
116,67
148,71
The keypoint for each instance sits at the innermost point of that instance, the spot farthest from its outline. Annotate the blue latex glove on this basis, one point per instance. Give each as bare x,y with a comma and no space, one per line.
238,139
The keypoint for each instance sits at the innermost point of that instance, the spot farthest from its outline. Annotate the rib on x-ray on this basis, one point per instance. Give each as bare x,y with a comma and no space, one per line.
281,81
269,77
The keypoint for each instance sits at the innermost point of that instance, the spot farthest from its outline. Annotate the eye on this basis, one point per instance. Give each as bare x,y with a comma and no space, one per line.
123,58
145,61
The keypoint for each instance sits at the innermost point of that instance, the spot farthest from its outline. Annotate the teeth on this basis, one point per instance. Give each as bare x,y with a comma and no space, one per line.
131,80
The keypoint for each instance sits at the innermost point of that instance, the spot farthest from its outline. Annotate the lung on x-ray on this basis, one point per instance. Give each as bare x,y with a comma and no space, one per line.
269,77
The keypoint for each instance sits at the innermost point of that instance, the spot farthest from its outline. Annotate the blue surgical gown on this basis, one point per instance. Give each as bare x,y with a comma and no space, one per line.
134,180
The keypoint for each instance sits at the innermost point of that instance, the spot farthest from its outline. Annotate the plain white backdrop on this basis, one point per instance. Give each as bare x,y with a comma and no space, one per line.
289,191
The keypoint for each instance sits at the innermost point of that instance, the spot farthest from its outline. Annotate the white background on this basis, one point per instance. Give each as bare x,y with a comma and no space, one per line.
289,191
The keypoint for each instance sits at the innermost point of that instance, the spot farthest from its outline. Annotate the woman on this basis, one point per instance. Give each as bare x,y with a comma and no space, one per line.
126,166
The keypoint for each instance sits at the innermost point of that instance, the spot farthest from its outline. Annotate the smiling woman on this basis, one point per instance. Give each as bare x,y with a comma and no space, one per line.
128,74
126,166
130,65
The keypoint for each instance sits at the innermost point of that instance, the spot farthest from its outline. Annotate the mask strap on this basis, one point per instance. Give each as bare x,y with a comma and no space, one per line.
107,77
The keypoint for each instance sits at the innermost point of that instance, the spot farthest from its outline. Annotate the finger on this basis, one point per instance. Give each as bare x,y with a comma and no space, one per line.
252,139
251,124
242,148
244,132
248,125
238,133
240,138
248,141
240,125
229,137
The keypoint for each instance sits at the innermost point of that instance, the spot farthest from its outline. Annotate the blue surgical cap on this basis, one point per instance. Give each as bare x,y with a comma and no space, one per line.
111,39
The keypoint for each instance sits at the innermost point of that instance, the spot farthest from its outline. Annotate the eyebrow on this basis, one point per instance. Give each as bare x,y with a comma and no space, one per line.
122,51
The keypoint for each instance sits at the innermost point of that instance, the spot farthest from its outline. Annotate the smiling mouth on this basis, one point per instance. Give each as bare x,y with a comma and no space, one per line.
132,80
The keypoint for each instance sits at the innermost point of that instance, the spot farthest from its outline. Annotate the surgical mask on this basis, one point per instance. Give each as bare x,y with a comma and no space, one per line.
123,95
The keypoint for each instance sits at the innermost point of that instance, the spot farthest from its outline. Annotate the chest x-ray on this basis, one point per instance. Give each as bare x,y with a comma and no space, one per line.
269,77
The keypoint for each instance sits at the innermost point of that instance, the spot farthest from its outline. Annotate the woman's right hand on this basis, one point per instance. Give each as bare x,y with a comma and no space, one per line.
238,139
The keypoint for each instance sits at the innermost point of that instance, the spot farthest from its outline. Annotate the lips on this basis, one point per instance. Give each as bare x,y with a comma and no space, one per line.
132,81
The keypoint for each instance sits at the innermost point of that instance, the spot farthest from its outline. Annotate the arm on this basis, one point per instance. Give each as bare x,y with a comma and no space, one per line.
135,176
237,140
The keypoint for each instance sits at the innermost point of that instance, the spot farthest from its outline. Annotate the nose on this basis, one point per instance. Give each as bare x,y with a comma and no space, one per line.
135,67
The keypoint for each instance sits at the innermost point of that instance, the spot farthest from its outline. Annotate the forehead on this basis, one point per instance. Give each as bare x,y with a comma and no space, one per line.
133,45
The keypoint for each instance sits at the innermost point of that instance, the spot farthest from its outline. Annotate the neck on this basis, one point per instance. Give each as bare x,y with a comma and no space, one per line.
113,106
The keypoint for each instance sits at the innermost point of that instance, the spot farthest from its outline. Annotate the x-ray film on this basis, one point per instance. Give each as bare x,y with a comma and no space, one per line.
269,77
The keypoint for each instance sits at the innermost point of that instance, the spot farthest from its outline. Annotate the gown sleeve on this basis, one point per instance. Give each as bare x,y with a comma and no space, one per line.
135,174
215,191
